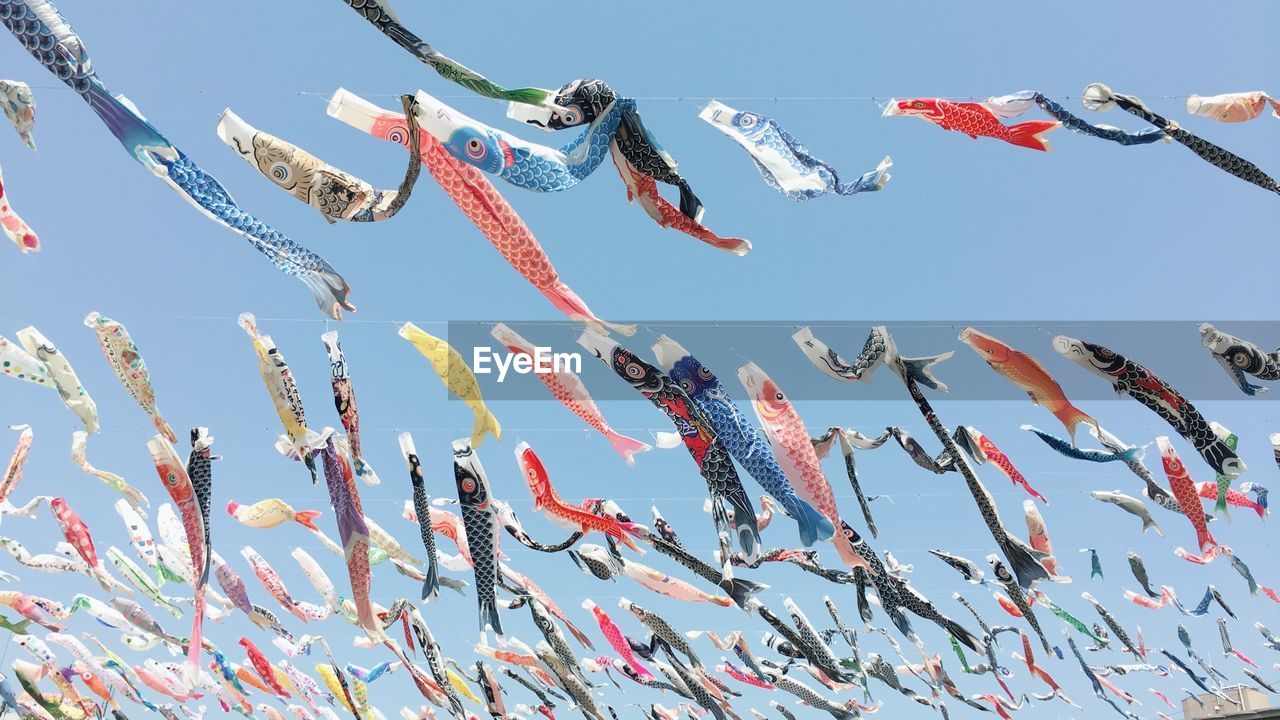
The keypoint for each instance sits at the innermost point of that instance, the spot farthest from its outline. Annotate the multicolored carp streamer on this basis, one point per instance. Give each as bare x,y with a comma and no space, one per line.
381,16
1241,357
135,497
344,399
1232,107
1141,384
524,164
472,192
63,377
43,31
336,194
14,227
457,377
20,108
353,532
129,367
643,189
1099,97
298,442
1011,106
783,161
568,388
973,119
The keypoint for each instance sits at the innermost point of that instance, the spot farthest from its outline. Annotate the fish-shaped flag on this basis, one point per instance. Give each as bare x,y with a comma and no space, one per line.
973,119
1141,384
1241,357
1099,97
271,512
1029,375
1185,491
42,30
381,16
353,532
560,513
524,164
12,224
133,496
1131,505
299,442
63,377
783,161
344,399
1232,107
20,108
336,194
984,450
567,387
472,192
422,511
478,517
129,367
457,376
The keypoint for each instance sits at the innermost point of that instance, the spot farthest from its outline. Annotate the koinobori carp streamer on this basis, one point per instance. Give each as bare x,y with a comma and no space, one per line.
336,194
472,192
783,161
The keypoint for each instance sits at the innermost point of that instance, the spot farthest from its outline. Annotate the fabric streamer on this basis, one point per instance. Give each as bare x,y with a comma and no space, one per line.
1011,106
524,164
380,15
336,194
129,367
1232,107
61,374
1241,357
642,188
783,161
467,186
973,119
567,387
1141,384
1100,98
353,532
584,100
457,377
14,227
20,108
299,442
344,400
43,31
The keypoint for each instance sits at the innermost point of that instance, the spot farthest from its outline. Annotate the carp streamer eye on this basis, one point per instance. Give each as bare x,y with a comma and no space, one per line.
469,485
572,115
399,134
747,121
918,105
1239,359
704,373
779,397
634,371
280,172
686,386
476,149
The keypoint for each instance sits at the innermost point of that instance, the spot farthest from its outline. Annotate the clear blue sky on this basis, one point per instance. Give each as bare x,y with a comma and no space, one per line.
966,229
